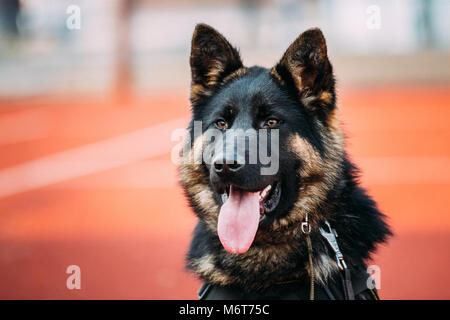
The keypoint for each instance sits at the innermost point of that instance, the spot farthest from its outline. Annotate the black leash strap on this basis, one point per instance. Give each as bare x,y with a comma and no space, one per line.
306,229
204,290
347,284
330,235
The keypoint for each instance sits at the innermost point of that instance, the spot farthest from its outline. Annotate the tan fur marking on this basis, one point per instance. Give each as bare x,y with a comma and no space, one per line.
236,74
214,73
296,73
205,266
326,97
324,267
198,90
276,75
196,185
334,124
317,175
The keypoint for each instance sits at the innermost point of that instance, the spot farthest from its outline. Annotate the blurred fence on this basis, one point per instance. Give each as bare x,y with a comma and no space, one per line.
48,46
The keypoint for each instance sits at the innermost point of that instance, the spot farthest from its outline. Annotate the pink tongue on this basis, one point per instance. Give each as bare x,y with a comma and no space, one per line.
239,220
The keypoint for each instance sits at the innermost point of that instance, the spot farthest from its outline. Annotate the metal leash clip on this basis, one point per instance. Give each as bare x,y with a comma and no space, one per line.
306,227
331,236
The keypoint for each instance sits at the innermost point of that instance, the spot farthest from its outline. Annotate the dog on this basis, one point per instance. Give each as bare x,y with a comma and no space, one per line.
255,218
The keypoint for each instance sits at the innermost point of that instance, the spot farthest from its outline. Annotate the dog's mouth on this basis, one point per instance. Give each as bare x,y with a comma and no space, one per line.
269,197
241,213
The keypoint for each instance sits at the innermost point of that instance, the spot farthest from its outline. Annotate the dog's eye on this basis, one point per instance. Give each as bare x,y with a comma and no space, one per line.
221,124
271,122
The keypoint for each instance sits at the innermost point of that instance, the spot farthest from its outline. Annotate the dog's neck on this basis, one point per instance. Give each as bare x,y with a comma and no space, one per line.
350,211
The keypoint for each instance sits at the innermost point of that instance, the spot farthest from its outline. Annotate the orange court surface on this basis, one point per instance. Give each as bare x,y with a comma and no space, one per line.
91,182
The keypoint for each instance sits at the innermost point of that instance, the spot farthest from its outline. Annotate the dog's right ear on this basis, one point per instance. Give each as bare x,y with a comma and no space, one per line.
212,59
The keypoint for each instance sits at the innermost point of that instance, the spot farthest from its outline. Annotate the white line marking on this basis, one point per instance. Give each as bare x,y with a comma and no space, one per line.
91,158
153,173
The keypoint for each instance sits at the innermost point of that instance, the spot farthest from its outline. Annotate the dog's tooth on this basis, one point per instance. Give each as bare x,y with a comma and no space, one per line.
224,197
263,193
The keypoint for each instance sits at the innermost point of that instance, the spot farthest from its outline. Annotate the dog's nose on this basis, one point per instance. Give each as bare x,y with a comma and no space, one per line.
225,167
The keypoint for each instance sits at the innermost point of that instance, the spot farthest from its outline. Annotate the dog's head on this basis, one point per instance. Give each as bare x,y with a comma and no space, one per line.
264,146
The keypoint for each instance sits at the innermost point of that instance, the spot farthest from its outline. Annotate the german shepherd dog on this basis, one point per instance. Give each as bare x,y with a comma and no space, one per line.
249,242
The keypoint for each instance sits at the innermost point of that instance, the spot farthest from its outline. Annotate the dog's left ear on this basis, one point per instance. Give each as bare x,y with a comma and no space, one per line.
305,67
212,59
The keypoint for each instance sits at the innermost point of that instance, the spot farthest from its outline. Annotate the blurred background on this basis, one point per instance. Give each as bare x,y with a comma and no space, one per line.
91,91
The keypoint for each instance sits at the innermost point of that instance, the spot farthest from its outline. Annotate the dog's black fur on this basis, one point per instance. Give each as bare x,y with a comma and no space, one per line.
316,176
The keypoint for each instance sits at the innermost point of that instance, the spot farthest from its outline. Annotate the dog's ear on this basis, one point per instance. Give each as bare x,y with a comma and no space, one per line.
305,67
212,59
